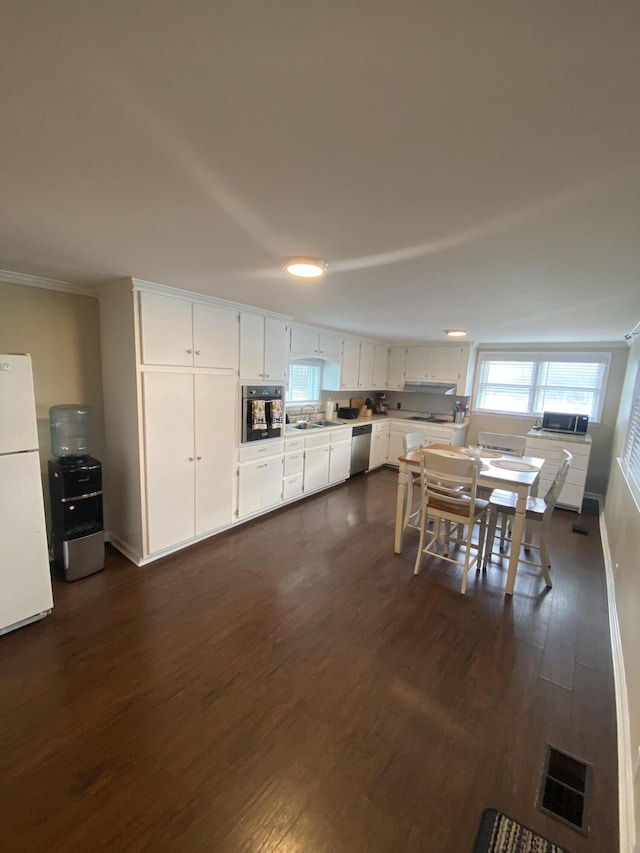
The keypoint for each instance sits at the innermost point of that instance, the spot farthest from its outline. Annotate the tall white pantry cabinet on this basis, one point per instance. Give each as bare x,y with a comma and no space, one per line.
171,399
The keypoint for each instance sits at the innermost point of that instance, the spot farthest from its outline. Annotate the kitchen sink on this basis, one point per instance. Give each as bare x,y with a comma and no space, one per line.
307,425
329,423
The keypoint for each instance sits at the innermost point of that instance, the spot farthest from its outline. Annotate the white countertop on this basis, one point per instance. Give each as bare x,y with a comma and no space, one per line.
559,436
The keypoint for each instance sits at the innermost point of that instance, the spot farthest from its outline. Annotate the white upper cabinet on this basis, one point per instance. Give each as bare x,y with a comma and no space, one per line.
179,332
263,348
397,362
441,363
418,362
380,367
350,363
307,342
365,369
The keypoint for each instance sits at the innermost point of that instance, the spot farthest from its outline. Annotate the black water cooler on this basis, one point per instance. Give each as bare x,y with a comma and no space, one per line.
75,489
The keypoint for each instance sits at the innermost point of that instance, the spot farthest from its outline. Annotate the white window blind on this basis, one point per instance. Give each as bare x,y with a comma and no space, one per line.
305,377
632,451
531,383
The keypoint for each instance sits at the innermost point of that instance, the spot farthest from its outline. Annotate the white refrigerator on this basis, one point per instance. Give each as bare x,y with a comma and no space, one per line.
25,578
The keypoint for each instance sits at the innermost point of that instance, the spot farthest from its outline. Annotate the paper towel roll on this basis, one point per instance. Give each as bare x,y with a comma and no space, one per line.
329,408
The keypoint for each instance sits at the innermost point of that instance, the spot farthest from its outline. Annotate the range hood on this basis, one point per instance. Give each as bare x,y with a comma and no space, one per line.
430,386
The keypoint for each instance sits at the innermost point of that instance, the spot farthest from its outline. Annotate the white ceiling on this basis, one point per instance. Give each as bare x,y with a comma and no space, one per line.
455,163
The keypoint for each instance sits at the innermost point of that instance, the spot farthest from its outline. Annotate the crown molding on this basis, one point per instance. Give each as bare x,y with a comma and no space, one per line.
46,283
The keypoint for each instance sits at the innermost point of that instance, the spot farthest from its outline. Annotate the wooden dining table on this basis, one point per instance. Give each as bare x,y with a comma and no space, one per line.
497,471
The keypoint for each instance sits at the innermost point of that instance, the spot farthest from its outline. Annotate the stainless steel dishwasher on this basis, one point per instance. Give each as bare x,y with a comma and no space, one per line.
360,447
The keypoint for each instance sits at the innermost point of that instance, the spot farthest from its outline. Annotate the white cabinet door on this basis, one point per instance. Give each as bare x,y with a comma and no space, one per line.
396,446
365,371
251,346
418,363
397,363
259,485
330,346
339,461
380,366
166,330
316,468
215,434
350,364
215,336
275,350
444,363
170,458
304,342
271,482
379,446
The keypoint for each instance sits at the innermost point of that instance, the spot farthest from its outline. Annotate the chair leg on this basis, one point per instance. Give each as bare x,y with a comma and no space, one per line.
503,531
545,562
409,504
423,527
491,535
482,532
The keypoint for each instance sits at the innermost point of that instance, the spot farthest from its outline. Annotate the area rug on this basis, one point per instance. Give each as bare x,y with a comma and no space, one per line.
501,834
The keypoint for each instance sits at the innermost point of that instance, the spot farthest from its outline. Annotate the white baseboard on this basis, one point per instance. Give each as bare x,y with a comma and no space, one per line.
625,769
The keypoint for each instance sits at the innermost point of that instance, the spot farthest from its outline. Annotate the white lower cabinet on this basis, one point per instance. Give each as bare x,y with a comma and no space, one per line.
339,456
188,455
379,445
259,478
316,462
292,468
549,447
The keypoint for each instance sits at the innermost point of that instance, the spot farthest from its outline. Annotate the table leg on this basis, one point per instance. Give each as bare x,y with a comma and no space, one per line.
516,542
403,482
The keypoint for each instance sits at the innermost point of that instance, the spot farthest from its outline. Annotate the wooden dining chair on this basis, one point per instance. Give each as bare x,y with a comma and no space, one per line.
508,444
448,494
502,506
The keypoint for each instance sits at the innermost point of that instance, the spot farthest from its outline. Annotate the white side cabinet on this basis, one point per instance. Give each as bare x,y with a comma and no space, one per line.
316,462
379,444
263,348
259,477
380,366
307,342
549,446
184,333
188,455
292,468
339,455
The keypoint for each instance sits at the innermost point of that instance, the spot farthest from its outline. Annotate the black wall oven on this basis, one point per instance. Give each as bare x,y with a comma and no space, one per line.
262,412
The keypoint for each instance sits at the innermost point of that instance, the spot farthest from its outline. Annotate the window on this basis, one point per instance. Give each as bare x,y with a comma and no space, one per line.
305,376
632,450
524,383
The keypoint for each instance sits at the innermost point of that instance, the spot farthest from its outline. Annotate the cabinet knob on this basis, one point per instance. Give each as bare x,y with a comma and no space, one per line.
266,375
189,351
198,458
197,352
191,459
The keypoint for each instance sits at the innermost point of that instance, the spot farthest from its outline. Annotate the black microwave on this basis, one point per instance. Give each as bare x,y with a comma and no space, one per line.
559,422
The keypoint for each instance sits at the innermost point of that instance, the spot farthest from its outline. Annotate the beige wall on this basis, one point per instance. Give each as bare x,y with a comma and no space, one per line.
601,433
622,521
61,331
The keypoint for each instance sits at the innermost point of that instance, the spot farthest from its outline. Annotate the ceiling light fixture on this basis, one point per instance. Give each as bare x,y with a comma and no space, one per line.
305,267
457,333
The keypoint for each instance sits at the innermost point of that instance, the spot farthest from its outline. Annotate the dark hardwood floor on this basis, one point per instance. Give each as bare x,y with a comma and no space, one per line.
291,686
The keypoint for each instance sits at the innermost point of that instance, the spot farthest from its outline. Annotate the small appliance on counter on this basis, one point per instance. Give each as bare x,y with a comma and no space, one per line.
348,413
380,407
560,422
75,488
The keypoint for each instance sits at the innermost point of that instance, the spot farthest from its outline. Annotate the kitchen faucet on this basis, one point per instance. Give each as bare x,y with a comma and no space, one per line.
309,406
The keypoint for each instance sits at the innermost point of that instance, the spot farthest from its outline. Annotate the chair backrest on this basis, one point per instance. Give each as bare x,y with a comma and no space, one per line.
512,444
449,483
413,441
551,498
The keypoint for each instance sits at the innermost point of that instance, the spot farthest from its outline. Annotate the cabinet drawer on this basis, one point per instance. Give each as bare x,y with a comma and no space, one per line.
260,450
293,463
291,444
316,440
292,487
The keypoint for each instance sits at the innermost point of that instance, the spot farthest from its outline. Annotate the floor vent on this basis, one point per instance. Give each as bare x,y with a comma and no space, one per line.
579,528
565,792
